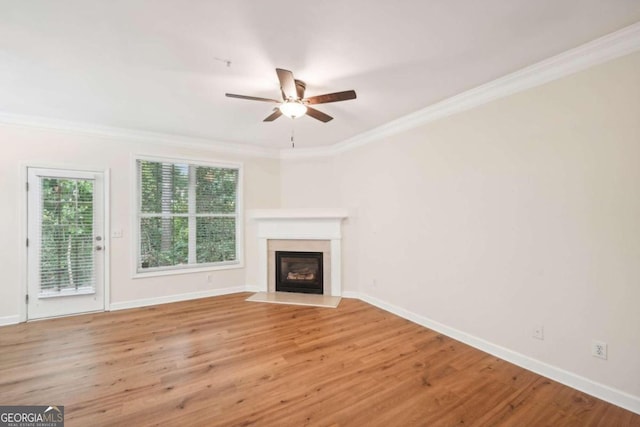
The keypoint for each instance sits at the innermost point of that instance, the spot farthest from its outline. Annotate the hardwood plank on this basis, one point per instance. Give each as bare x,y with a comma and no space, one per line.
226,362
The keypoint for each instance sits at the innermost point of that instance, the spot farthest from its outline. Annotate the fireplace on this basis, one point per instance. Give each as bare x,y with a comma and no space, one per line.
304,230
299,272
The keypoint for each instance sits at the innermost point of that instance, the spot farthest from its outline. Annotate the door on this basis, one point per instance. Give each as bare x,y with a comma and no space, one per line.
65,242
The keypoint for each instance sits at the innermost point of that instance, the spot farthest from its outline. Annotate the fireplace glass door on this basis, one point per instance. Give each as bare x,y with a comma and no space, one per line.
299,272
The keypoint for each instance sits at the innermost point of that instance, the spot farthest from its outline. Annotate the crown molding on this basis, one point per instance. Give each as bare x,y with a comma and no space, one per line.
137,135
598,51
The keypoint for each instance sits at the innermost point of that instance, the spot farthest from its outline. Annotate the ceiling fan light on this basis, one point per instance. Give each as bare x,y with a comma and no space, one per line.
293,109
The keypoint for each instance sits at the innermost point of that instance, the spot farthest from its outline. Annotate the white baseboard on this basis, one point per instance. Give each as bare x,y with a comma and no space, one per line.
601,391
351,294
251,288
9,320
175,298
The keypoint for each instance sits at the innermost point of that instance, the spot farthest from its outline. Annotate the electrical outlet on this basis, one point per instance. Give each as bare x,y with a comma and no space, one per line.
599,349
538,332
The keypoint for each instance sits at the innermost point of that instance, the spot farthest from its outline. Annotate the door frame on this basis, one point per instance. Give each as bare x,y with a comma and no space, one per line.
23,221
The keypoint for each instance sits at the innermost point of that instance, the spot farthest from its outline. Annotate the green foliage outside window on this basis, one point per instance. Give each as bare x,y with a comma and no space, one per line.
66,230
187,214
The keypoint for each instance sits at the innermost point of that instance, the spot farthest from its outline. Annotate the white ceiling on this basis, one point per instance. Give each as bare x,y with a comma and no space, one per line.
151,64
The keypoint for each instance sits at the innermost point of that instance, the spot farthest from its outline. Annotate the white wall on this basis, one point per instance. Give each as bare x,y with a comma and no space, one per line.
24,146
521,212
308,182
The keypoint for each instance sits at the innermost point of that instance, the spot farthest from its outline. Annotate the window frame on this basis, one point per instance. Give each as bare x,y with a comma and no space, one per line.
136,217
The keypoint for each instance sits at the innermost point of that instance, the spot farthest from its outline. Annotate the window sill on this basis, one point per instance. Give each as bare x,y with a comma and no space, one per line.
187,270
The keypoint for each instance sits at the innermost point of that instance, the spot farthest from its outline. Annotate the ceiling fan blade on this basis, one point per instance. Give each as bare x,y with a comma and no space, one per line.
287,84
251,98
276,113
318,115
331,97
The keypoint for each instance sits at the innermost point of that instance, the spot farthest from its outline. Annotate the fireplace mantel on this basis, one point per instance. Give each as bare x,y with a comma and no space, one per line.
300,224
299,214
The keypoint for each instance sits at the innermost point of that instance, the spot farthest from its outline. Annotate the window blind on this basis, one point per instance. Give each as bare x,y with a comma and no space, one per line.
66,235
187,215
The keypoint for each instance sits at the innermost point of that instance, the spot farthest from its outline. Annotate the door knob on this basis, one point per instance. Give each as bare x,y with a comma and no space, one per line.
98,248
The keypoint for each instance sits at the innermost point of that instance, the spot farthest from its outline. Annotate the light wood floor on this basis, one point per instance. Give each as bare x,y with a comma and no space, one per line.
227,362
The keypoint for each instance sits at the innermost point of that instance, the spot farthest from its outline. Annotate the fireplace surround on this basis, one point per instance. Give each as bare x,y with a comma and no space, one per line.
302,230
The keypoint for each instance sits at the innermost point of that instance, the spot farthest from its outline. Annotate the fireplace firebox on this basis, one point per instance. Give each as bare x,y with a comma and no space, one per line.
299,272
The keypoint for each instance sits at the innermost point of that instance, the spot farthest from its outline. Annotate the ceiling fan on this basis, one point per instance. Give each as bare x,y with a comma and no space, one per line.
293,103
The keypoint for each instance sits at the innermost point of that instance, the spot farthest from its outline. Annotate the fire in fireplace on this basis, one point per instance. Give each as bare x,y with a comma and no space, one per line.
299,272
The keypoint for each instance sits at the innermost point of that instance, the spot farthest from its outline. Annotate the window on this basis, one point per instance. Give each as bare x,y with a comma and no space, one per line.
187,215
